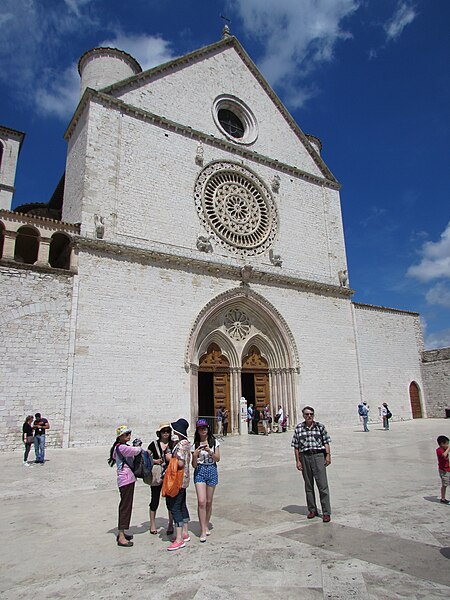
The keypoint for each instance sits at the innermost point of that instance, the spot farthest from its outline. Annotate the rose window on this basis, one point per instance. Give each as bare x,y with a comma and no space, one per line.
237,324
237,207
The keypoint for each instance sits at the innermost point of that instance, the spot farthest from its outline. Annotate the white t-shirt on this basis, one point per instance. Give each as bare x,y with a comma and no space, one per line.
204,458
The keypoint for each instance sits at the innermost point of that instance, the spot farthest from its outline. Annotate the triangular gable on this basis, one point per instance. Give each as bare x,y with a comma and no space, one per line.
121,88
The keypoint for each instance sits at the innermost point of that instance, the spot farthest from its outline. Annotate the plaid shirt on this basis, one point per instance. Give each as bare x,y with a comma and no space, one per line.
310,439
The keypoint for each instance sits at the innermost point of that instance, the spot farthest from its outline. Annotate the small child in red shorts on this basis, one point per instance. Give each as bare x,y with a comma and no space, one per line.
443,465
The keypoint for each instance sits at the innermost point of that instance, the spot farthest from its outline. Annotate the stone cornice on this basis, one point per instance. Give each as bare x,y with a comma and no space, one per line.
13,133
27,219
376,308
206,138
184,258
228,41
437,354
7,188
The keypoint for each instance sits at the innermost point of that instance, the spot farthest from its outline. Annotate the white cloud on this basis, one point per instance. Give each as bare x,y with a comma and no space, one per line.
439,294
435,263
60,93
297,36
148,50
439,339
403,16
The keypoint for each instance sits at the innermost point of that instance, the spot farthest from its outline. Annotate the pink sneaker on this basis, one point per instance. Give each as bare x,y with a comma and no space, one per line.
186,538
176,546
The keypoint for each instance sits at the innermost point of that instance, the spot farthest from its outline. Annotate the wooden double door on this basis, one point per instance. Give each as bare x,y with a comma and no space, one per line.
214,381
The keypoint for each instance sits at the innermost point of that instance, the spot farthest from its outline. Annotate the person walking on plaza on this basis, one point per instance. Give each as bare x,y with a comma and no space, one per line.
27,435
219,419
160,450
279,418
121,455
443,465
40,426
205,456
386,414
177,504
265,419
364,412
311,444
255,420
250,417
225,421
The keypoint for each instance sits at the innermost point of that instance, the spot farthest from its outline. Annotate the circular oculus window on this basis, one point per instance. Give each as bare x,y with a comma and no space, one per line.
234,119
236,207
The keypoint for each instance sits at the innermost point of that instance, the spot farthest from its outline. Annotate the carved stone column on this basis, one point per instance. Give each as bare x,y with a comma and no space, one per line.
235,399
9,244
44,251
193,369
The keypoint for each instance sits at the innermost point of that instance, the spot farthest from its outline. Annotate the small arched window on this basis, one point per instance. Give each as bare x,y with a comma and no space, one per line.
1,154
27,245
2,237
59,256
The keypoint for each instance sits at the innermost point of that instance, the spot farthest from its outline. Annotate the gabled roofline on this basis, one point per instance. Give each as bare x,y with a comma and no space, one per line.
139,113
20,135
228,41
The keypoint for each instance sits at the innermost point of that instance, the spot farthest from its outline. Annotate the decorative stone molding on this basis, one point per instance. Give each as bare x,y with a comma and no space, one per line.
237,324
236,207
219,267
166,124
343,278
199,155
203,243
275,259
275,183
99,223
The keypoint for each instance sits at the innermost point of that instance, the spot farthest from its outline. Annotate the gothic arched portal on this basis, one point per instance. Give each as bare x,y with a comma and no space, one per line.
242,338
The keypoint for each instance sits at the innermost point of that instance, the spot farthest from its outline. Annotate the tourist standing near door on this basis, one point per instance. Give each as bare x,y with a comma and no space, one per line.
219,419
40,426
311,444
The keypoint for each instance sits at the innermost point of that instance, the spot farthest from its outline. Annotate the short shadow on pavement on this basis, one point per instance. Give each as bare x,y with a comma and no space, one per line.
405,556
432,499
445,552
293,509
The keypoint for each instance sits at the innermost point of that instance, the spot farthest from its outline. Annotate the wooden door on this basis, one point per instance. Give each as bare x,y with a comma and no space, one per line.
257,365
414,398
215,363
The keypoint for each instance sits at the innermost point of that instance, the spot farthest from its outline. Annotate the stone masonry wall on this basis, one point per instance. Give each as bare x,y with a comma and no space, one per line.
34,335
389,350
142,183
436,379
133,327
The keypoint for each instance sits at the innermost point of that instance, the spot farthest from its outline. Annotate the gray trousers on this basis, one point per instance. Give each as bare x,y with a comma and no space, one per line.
314,470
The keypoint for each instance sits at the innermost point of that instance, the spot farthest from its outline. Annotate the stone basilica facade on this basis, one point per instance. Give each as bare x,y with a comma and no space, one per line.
193,253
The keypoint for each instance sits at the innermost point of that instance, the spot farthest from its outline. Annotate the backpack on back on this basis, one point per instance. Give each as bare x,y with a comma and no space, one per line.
388,414
141,465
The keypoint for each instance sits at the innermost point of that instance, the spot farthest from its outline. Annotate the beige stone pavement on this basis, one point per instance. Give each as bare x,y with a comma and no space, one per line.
389,537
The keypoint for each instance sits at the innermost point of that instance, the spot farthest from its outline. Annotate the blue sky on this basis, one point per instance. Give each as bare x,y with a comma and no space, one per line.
371,78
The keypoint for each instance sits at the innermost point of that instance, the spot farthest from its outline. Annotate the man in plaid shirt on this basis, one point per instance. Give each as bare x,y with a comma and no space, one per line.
311,444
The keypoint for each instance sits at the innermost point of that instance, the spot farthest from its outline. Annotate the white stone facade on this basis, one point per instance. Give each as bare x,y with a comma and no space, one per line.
10,143
156,283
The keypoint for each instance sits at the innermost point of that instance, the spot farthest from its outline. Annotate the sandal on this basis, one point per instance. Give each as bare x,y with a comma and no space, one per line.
127,537
127,545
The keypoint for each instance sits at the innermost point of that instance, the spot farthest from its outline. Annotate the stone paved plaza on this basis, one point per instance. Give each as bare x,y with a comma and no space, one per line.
389,536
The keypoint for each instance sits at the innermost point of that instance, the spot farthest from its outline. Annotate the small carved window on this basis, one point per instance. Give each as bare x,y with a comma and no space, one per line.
231,123
59,255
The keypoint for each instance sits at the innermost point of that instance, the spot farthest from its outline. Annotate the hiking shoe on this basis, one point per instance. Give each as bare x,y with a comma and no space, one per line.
176,546
444,501
312,514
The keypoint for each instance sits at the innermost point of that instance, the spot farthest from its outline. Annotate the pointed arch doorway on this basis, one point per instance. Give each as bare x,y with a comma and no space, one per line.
255,379
213,383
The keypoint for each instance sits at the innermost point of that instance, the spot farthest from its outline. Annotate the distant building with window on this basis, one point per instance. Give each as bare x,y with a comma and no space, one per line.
192,253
